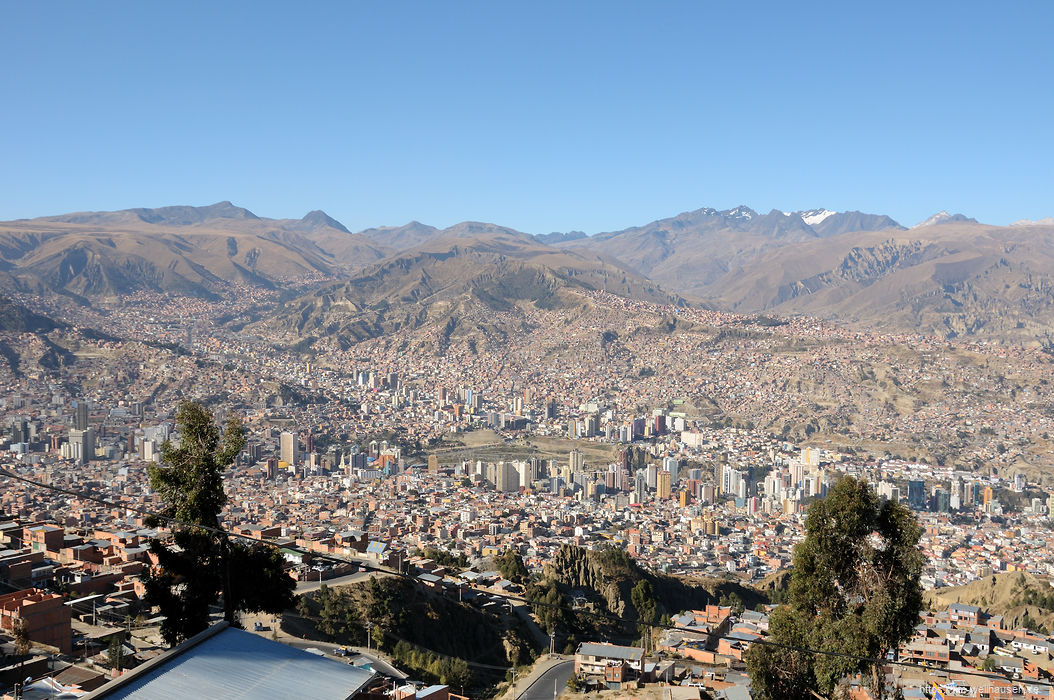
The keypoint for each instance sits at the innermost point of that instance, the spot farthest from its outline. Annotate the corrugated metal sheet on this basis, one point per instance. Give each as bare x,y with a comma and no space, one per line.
237,664
610,651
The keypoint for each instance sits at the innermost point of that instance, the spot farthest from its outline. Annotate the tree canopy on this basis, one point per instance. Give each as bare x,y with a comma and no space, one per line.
854,590
189,577
511,567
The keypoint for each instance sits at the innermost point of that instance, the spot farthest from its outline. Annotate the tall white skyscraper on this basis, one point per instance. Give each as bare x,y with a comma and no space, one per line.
288,450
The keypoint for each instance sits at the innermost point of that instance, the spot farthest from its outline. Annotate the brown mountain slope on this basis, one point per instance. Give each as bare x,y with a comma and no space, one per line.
1012,595
192,250
952,280
468,284
691,251
401,238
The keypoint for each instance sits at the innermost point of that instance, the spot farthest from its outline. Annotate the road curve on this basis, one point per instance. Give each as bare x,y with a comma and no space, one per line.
550,684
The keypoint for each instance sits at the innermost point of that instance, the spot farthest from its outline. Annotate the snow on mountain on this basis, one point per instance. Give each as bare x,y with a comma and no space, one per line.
937,218
1047,221
943,217
815,216
741,213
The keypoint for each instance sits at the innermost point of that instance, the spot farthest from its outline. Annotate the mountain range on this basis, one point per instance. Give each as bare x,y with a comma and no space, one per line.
192,250
474,281
948,275
691,251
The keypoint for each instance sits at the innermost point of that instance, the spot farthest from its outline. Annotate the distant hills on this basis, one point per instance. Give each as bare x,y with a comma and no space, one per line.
190,250
164,216
943,217
948,275
691,251
952,279
472,281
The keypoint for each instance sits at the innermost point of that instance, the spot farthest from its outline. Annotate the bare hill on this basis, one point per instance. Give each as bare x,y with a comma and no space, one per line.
192,250
955,279
1012,595
399,238
692,251
472,281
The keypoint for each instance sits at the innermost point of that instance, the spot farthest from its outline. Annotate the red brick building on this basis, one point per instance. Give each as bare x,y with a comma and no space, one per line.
47,617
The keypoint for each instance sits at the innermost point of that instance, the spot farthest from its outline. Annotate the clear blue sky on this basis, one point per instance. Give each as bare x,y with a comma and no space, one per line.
540,116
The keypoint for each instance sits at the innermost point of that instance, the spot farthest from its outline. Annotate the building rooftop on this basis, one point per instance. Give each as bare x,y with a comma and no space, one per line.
224,662
611,651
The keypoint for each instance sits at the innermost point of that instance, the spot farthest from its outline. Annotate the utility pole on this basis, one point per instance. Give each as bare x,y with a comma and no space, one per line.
228,600
369,630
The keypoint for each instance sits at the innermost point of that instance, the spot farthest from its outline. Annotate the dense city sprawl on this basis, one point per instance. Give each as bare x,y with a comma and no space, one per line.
694,440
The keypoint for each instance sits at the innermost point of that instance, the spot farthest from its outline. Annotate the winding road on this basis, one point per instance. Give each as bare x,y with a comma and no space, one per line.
550,684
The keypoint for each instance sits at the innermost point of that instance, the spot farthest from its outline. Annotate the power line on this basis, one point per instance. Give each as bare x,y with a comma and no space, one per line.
506,596
367,625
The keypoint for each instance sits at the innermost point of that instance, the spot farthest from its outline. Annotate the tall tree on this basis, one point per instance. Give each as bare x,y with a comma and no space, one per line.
20,632
115,653
205,561
511,567
854,590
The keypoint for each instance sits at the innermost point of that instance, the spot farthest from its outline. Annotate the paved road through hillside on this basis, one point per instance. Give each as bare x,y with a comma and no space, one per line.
551,683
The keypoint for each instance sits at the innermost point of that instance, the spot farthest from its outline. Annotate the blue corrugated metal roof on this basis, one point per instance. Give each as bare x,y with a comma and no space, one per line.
238,664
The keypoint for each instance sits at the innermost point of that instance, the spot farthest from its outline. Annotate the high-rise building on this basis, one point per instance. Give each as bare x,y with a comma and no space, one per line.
82,445
733,482
917,495
707,493
80,419
506,478
433,464
664,490
288,451
957,487
640,487
941,501
527,471
576,460
592,425
671,465
975,493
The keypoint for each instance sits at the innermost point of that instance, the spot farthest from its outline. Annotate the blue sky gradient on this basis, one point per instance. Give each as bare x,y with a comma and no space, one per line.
540,116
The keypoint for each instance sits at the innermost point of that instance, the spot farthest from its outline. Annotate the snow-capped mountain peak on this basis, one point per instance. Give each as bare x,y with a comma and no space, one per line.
937,218
815,216
742,213
943,217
